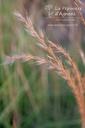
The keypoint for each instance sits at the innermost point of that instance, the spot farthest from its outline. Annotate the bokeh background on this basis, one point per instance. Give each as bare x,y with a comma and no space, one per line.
30,95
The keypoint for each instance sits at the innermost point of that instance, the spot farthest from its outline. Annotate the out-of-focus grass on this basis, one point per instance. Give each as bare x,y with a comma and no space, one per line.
30,96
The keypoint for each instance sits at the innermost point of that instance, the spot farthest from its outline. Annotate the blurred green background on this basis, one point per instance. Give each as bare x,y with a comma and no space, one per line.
31,96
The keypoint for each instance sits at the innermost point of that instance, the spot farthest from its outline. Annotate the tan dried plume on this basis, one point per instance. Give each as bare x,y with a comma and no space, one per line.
73,76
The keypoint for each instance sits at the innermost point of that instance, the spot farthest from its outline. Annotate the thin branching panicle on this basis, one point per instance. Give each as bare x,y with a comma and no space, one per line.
79,12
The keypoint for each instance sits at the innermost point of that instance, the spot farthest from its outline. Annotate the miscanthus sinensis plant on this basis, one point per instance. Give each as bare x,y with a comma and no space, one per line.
53,62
